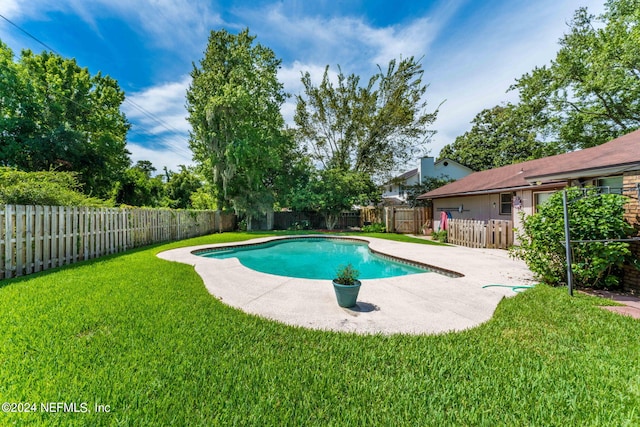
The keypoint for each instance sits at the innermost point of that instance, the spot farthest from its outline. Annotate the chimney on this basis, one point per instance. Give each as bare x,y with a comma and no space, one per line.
426,169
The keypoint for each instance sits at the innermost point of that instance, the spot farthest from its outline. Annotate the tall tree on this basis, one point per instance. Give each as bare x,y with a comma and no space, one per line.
234,108
359,134
180,186
370,129
499,136
136,186
56,115
590,93
332,191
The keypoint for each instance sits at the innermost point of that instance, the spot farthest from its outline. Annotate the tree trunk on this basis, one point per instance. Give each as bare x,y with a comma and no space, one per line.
331,220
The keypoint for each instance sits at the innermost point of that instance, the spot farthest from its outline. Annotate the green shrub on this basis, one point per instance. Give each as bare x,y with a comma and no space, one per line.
376,227
440,236
347,275
48,188
300,225
592,216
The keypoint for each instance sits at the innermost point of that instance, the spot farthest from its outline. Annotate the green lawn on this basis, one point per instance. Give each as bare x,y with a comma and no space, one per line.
143,336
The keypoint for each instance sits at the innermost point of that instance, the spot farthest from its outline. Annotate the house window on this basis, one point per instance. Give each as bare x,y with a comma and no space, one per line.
505,204
610,184
540,198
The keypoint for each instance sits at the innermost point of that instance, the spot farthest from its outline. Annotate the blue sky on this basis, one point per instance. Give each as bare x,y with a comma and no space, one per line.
471,51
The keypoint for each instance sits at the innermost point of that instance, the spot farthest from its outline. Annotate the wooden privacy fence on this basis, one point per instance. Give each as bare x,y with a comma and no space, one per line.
495,233
315,220
407,220
36,238
370,215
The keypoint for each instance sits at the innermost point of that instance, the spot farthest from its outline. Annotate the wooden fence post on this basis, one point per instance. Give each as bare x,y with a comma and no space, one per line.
37,238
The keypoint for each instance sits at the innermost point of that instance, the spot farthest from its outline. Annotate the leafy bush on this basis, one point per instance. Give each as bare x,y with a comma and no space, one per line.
202,199
43,188
300,225
347,275
592,216
376,227
440,236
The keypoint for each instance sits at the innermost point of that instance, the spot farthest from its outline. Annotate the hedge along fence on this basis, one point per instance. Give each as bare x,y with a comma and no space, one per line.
36,238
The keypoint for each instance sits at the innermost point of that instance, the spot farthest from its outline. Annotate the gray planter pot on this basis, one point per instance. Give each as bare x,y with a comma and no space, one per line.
347,295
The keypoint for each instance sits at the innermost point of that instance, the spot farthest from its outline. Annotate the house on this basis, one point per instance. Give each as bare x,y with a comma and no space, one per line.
502,193
395,190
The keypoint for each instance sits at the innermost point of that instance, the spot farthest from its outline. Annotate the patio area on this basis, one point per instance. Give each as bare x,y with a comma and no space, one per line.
426,303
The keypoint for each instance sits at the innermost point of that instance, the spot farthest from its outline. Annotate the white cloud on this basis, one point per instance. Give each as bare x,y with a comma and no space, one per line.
469,64
158,118
347,41
171,23
179,25
11,8
475,69
161,108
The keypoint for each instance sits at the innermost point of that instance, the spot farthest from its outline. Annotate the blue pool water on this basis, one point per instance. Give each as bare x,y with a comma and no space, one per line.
314,258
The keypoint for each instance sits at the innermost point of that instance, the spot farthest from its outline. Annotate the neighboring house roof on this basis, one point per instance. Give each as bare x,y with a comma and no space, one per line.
610,158
406,175
413,172
402,178
392,201
446,160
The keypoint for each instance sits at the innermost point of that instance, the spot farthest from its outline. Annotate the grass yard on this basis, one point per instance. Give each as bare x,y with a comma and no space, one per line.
144,337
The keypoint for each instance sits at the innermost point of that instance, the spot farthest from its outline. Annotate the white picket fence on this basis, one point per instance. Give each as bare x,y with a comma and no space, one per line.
494,233
36,238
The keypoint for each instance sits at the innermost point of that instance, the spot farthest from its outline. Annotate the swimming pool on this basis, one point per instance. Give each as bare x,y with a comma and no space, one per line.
315,258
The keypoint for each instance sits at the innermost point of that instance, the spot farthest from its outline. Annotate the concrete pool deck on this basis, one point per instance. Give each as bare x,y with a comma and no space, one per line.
425,303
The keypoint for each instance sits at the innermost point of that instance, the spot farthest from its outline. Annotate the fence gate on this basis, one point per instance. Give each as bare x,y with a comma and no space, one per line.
499,234
466,232
406,220
496,234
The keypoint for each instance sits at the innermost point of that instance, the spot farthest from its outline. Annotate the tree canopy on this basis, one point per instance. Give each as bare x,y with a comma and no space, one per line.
370,129
358,134
332,191
56,115
137,186
234,108
499,136
590,93
587,95
181,186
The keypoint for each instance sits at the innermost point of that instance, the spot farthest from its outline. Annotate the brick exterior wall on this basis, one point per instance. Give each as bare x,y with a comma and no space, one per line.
632,214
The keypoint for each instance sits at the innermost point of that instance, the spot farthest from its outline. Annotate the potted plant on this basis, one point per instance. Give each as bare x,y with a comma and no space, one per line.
427,229
346,285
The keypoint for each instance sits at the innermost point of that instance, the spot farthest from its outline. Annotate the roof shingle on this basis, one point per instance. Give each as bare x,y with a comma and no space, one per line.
619,152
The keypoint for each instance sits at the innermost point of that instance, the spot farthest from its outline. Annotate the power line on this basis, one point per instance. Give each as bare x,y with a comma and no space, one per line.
176,149
27,33
170,146
152,116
